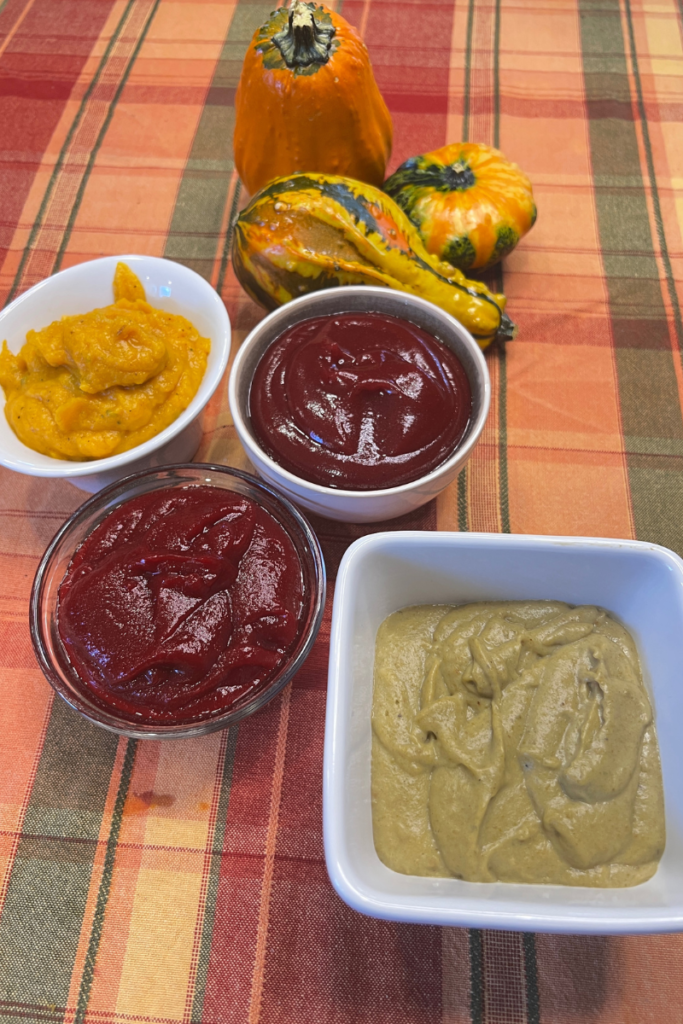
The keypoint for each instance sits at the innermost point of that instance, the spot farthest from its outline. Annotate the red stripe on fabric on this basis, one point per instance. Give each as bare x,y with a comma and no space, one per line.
559,109
40,1013
9,16
504,991
16,649
350,968
206,874
335,538
410,48
398,102
239,889
262,931
416,103
38,71
21,514
312,936
313,674
35,89
300,853
21,817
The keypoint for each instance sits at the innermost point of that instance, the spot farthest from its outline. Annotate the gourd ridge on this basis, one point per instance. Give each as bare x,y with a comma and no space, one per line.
307,231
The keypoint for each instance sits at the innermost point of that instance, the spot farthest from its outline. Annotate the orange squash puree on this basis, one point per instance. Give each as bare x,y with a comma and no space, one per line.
99,383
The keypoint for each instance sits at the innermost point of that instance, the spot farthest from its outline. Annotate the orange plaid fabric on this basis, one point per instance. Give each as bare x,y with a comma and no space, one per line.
186,882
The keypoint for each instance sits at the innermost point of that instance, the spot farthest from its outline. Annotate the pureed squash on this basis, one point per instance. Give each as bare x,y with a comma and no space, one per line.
514,741
99,383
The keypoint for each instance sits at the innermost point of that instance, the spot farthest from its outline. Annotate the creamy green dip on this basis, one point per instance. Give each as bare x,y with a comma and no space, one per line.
514,742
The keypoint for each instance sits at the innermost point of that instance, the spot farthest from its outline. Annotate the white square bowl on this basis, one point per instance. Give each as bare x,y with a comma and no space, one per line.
642,584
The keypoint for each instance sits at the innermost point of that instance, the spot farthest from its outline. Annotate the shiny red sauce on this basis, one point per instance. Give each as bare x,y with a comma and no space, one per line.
359,401
181,603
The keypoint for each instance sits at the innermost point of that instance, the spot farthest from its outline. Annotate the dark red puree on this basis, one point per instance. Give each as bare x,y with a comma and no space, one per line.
359,401
181,603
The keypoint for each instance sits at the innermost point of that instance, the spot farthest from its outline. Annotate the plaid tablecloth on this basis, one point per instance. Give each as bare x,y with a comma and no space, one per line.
186,881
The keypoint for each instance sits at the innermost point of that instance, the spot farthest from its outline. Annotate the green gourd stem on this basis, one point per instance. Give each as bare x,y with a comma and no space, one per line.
305,41
459,176
507,330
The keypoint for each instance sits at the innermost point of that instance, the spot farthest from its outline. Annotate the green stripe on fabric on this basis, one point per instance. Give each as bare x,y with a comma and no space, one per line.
503,483
654,191
648,391
463,511
202,195
228,237
633,283
533,1001
503,488
48,888
672,446
499,286
496,77
105,884
463,516
214,875
476,944
468,74
101,136
37,224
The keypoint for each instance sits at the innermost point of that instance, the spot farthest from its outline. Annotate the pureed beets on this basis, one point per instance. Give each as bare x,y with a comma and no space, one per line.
359,401
182,603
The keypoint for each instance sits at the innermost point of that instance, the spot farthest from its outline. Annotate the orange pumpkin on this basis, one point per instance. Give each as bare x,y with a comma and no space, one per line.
307,100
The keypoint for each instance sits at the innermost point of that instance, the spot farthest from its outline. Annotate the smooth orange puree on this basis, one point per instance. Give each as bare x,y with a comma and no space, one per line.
99,383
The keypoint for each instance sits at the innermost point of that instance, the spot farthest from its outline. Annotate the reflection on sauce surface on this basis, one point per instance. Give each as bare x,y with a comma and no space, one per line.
514,742
359,401
182,602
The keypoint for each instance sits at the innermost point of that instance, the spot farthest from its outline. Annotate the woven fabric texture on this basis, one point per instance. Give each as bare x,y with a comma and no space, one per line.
186,882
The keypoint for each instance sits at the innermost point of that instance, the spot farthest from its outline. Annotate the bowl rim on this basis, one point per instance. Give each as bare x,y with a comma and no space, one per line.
473,909
461,452
110,720
64,468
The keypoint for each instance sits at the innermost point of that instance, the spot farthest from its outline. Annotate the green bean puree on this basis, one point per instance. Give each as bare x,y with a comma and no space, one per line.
514,741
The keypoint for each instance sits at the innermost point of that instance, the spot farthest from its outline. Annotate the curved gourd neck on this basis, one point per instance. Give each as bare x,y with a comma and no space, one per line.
305,40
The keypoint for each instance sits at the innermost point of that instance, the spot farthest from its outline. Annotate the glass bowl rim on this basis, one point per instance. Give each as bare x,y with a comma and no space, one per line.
110,720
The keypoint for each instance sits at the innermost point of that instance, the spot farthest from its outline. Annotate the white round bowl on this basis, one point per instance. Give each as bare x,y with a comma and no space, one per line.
169,286
359,506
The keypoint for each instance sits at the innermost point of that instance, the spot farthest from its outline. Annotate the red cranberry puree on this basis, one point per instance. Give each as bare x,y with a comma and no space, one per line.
359,401
181,603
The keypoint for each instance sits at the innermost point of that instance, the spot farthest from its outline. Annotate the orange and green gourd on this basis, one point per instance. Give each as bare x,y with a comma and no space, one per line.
305,232
307,100
470,205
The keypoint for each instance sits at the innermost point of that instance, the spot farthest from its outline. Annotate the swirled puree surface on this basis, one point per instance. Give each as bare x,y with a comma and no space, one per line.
99,383
359,401
182,603
514,742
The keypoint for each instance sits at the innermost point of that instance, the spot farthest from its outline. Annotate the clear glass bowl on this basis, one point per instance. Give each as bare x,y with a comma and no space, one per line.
48,646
